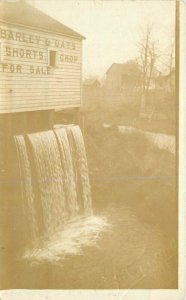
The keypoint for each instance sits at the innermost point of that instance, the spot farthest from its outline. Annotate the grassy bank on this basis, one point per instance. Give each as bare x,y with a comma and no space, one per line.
128,168
126,114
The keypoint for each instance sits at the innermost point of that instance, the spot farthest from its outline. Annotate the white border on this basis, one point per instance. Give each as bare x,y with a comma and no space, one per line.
166,294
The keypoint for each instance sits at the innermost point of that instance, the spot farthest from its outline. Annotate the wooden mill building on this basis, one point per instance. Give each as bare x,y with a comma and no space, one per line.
40,76
40,67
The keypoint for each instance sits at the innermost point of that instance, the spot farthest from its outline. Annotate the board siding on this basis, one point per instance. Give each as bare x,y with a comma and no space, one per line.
56,88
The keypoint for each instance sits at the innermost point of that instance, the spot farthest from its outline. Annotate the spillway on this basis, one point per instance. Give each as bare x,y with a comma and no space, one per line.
56,193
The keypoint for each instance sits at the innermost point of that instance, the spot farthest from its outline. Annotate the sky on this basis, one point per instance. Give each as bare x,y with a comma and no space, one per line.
112,28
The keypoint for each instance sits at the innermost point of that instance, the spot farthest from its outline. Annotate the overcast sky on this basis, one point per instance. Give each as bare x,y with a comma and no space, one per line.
112,27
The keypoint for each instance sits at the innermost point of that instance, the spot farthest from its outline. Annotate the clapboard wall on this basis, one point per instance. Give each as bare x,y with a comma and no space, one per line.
27,81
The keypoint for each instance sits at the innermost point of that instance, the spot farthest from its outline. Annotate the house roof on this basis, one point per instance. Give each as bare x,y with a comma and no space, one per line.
124,68
24,14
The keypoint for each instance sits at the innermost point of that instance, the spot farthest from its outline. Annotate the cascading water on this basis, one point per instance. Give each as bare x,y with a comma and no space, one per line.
56,192
27,187
49,179
81,167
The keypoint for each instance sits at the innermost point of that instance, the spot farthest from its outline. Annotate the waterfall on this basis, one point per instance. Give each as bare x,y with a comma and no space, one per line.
56,194
26,187
69,176
80,165
49,179
57,185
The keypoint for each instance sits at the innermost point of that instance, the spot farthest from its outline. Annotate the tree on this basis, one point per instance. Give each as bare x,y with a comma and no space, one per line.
168,63
147,59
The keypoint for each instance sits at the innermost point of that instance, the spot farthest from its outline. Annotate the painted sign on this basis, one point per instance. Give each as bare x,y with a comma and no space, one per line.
12,54
25,69
11,35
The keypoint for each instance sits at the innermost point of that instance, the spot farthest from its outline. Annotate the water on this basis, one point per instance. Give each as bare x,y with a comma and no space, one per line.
69,177
56,193
72,240
26,187
77,144
49,180
160,140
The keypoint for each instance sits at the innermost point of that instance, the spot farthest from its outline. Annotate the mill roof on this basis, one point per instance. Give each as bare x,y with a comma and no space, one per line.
24,14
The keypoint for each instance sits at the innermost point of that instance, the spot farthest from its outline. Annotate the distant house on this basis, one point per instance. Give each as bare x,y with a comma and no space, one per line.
123,76
91,82
166,83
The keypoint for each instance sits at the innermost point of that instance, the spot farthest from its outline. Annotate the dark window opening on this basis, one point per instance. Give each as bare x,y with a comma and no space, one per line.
52,58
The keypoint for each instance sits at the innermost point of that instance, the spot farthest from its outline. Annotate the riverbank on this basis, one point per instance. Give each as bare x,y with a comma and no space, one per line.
127,114
134,187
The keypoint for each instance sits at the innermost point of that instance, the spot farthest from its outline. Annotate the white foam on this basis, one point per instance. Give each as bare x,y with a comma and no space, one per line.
84,232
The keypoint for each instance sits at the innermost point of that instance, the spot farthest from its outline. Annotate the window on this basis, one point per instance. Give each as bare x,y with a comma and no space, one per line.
52,58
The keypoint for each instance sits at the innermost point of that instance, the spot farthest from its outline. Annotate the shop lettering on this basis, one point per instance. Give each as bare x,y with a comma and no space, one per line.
68,58
23,53
65,45
11,35
11,68
39,70
16,68
19,36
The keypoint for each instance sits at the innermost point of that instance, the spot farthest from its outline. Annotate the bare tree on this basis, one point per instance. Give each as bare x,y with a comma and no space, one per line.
148,55
169,64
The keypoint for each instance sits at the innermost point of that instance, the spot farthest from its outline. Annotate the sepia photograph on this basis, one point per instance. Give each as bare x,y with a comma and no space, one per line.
89,145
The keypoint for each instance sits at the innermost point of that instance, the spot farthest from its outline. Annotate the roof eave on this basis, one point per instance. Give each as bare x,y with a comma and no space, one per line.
78,36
